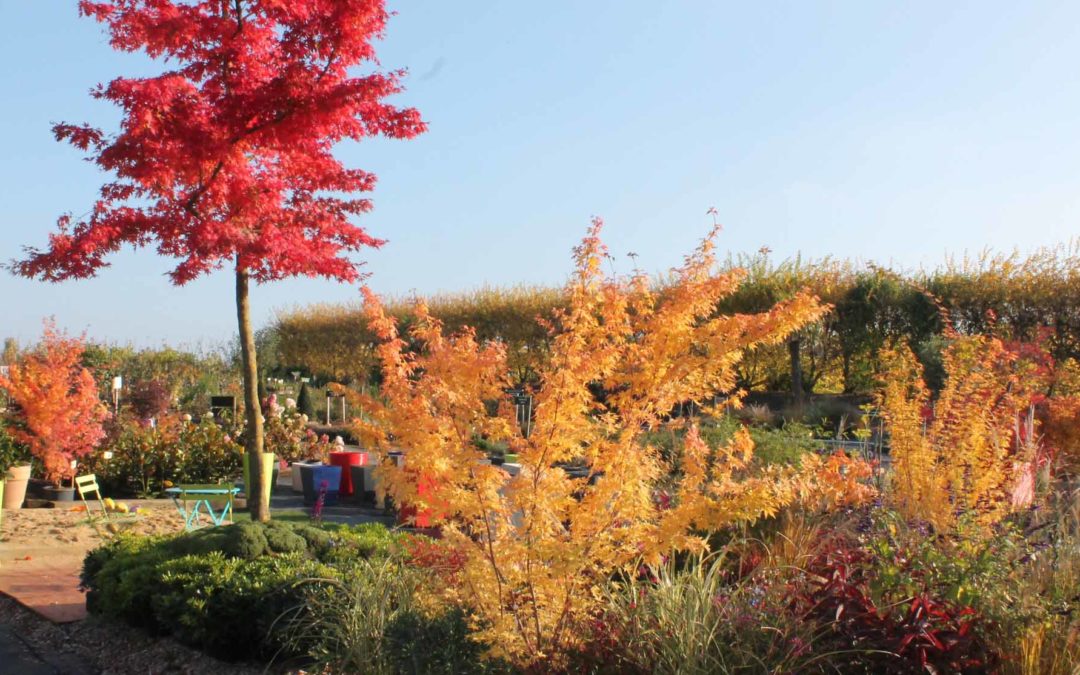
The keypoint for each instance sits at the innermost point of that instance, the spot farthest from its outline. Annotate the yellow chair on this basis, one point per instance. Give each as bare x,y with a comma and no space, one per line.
85,485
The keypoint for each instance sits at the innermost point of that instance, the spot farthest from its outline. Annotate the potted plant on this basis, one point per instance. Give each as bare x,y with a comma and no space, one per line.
14,469
315,451
58,492
57,412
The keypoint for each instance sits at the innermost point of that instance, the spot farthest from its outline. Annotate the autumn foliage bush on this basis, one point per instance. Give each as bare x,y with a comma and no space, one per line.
142,459
973,449
538,546
58,414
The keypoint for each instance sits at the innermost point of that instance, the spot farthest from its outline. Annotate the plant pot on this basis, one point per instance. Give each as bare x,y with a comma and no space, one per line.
35,489
269,466
60,494
362,484
313,476
297,475
16,478
18,472
346,460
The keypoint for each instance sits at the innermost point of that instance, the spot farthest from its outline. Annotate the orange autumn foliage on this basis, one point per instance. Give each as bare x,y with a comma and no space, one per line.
536,547
1061,430
961,453
58,413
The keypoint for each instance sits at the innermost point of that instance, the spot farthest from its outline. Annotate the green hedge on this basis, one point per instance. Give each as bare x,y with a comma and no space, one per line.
1010,295
222,589
283,592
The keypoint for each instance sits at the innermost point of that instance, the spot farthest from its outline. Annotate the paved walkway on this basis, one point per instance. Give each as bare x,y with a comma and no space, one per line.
44,581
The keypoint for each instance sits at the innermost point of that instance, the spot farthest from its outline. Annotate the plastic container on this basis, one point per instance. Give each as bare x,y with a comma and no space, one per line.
312,477
269,466
16,478
346,460
297,480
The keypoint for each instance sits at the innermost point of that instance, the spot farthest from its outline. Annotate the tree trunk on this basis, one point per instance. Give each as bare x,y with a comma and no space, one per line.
795,349
259,497
849,386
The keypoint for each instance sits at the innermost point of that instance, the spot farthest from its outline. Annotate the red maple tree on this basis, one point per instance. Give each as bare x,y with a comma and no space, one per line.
58,414
226,158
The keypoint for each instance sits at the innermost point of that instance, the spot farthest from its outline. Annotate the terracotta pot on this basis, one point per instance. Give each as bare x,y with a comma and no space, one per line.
16,478
18,472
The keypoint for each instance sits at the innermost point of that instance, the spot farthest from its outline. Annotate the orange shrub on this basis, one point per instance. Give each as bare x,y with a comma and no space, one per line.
536,547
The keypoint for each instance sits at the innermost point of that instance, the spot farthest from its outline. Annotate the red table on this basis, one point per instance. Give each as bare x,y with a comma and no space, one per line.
346,459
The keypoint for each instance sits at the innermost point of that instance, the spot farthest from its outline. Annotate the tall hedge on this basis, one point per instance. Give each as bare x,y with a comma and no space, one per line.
1013,295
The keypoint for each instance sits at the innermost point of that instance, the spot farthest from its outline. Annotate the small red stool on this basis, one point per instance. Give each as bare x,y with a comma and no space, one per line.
345,460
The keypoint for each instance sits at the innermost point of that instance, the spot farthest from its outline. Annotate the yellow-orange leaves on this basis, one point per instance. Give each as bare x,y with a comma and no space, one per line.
538,545
959,453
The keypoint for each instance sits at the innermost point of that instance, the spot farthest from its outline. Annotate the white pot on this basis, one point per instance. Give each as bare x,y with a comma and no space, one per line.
294,469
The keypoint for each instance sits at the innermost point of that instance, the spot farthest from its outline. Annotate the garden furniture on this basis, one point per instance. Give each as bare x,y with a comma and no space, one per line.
201,497
86,485
347,459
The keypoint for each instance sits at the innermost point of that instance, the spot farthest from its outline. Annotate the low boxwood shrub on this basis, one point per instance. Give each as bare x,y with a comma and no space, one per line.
227,606
223,589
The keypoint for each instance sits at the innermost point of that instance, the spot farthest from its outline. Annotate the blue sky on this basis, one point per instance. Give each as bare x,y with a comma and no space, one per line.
872,130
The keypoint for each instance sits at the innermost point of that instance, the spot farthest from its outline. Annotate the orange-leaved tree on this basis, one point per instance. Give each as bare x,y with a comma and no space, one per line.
538,545
57,410
961,452
1061,417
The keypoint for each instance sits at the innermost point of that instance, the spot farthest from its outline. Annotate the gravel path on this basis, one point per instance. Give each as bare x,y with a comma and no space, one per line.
31,645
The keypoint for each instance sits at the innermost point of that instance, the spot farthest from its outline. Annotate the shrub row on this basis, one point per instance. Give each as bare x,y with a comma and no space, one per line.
1010,295
282,591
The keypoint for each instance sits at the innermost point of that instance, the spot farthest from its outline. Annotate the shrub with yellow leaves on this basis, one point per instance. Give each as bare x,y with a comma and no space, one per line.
963,452
538,546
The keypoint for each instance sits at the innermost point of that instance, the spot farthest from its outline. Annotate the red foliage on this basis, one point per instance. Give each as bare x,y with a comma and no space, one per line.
150,399
433,554
58,413
923,635
226,158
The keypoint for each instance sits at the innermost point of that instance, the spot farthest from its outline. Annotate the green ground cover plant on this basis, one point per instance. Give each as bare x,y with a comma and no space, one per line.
224,589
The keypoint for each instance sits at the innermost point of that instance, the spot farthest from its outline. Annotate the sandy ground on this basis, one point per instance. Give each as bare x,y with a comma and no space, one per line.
42,550
67,529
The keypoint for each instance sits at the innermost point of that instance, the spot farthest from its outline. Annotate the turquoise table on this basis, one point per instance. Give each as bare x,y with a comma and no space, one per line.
201,496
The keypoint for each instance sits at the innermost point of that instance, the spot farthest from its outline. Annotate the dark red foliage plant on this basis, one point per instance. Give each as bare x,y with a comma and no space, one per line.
150,399
918,635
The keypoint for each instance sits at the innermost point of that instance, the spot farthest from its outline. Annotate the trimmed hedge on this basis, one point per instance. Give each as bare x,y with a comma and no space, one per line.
222,589
1011,295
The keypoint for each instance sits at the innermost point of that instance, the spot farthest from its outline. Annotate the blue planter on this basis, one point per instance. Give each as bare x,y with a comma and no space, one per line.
312,477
